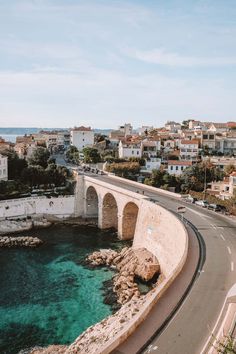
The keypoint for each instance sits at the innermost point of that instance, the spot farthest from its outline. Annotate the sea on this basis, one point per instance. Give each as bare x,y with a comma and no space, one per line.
10,134
48,294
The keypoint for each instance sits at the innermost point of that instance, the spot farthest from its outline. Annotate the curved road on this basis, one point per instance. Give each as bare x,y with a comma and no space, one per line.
190,328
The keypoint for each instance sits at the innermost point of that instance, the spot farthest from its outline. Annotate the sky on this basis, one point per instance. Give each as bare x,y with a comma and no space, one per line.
102,63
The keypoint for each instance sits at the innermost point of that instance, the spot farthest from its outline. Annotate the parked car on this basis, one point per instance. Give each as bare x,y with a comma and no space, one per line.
191,200
224,210
202,203
214,207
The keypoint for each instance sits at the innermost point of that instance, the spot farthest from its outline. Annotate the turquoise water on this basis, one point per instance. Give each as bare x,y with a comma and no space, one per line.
47,296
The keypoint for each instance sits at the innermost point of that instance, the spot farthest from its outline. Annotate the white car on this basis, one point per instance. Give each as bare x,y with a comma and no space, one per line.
202,203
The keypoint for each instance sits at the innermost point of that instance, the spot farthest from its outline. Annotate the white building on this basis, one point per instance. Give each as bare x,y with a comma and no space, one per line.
144,129
169,145
224,189
82,137
189,149
177,167
152,163
226,145
3,168
208,139
127,129
150,148
221,162
173,126
63,139
127,150
219,127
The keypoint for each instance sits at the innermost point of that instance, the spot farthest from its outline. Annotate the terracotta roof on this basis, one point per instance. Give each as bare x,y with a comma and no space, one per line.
180,163
231,124
82,129
189,142
220,125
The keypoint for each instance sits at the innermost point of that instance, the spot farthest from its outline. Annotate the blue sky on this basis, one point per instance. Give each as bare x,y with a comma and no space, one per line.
105,62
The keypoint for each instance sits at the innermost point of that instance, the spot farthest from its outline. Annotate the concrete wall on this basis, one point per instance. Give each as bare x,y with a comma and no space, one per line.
60,207
161,233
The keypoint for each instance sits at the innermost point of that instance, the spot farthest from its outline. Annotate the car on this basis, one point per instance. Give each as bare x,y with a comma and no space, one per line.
224,210
214,207
191,200
202,203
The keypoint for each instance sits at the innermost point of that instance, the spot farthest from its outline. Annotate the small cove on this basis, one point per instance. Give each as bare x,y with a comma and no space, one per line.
47,295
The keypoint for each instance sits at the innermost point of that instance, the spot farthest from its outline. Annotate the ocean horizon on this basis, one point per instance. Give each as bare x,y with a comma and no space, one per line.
10,134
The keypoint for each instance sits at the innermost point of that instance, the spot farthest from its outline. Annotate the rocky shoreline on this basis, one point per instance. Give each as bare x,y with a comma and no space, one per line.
14,226
130,264
21,241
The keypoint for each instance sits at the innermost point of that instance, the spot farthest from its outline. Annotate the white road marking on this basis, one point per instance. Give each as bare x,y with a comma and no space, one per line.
230,293
229,250
232,266
151,348
222,237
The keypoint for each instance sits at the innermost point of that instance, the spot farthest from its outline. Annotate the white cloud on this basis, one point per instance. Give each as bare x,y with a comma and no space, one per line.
106,98
163,57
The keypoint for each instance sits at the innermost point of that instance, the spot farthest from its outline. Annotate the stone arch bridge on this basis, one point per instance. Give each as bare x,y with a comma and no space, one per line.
114,207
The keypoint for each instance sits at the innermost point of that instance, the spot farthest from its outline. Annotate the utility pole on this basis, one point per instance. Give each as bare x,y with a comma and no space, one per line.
204,180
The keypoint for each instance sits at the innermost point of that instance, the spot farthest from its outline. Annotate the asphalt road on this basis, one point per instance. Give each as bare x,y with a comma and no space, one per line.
190,328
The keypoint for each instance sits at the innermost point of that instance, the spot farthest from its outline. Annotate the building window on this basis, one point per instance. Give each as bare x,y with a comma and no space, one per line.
137,152
177,168
171,168
182,168
132,152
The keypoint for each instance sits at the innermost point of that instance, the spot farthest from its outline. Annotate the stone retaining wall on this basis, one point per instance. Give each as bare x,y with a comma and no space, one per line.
61,207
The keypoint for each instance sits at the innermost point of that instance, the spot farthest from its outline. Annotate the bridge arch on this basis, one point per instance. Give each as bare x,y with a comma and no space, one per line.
129,220
91,202
109,212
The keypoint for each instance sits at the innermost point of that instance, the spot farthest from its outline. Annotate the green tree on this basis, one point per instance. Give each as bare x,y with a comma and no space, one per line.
71,151
40,157
91,155
156,179
140,160
124,169
194,177
34,175
229,169
15,164
56,175
185,124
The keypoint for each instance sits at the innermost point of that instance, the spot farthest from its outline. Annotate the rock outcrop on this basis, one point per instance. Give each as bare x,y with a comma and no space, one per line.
24,241
22,224
130,263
